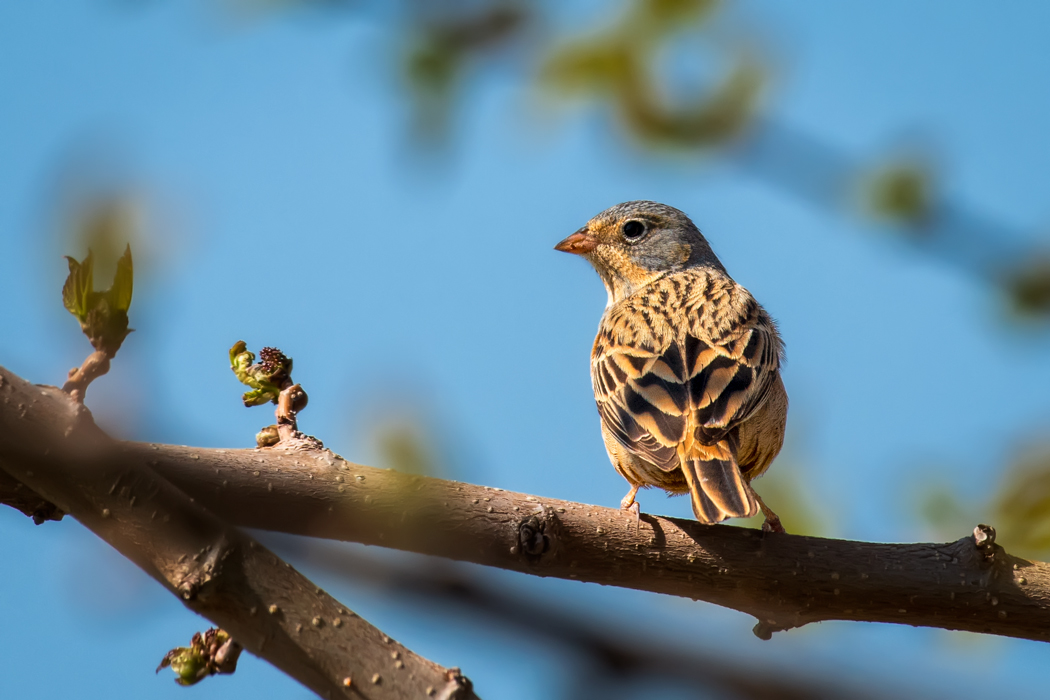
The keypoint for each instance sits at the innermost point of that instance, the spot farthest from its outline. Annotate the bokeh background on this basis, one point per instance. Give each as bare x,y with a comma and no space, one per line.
375,188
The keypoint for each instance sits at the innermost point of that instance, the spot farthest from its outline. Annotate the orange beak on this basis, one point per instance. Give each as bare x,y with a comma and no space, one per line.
579,243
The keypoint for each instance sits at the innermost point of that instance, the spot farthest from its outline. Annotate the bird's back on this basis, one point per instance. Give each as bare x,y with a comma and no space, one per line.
691,357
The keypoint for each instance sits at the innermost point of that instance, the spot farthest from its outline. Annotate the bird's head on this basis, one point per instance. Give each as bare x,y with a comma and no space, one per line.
635,243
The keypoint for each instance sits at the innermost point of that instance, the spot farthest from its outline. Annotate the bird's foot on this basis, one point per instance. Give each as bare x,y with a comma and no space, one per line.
772,524
631,506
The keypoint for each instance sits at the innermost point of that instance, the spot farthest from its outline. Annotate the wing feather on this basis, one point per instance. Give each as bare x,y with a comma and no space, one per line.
652,392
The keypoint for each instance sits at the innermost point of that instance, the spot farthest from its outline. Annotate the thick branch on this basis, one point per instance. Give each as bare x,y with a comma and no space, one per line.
20,497
52,446
785,581
607,654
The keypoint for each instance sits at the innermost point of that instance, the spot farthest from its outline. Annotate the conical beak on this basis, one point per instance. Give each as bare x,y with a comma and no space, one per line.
579,243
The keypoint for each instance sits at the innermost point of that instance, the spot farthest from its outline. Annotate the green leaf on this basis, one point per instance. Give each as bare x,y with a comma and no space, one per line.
902,192
120,292
257,397
78,286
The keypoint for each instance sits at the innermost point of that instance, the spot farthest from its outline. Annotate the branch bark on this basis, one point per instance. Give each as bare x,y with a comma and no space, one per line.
784,581
51,445
607,655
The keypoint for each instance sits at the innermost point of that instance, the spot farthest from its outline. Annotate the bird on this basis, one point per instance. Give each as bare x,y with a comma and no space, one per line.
685,366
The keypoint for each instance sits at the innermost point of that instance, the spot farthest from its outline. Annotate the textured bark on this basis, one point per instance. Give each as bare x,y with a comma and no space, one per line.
49,443
607,652
20,497
785,581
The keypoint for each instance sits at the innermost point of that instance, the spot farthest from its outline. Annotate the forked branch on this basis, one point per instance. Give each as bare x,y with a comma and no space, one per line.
51,445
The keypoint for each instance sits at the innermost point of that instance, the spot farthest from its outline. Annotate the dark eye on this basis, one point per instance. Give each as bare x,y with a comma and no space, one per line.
633,230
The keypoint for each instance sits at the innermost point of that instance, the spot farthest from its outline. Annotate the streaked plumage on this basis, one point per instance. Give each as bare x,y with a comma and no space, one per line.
685,366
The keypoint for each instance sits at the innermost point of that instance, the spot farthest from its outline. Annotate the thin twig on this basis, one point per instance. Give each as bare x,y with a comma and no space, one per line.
96,364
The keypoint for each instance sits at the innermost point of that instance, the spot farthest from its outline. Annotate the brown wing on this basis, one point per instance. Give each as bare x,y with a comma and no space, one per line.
728,382
642,400
651,397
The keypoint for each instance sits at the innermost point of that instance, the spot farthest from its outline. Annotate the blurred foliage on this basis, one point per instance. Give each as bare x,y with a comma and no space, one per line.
1028,287
618,67
1019,509
780,490
105,224
902,193
103,316
615,62
441,49
946,514
403,446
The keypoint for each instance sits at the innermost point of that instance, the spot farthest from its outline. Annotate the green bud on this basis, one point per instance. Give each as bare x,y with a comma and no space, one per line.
264,378
103,316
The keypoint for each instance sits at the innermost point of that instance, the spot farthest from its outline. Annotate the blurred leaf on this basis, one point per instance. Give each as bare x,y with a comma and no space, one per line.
106,224
618,67
403,448
441,49
946,514
901,192
658,17
1028,286
123,283
797,509
714,119
1021,509
588,67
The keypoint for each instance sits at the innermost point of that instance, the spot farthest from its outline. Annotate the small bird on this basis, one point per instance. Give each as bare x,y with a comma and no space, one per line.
685,366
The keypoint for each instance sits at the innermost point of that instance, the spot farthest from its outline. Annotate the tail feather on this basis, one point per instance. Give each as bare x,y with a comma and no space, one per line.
716,488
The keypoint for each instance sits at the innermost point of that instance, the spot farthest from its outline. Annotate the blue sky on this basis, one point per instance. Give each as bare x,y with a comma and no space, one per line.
278,150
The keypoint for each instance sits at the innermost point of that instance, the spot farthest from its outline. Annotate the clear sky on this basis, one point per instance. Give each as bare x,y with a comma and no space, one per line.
289,210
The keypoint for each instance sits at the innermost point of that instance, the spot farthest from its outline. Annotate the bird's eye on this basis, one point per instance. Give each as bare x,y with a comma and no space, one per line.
633,230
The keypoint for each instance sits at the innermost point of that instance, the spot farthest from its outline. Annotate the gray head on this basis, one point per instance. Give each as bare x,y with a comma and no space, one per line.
635,243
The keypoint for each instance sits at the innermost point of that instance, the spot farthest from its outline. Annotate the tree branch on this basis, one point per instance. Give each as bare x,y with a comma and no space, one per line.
608,655
785,581
96,364
52,445
22,498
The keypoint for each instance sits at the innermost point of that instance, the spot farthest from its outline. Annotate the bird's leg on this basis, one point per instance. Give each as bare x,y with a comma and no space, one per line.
629,504
772,522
